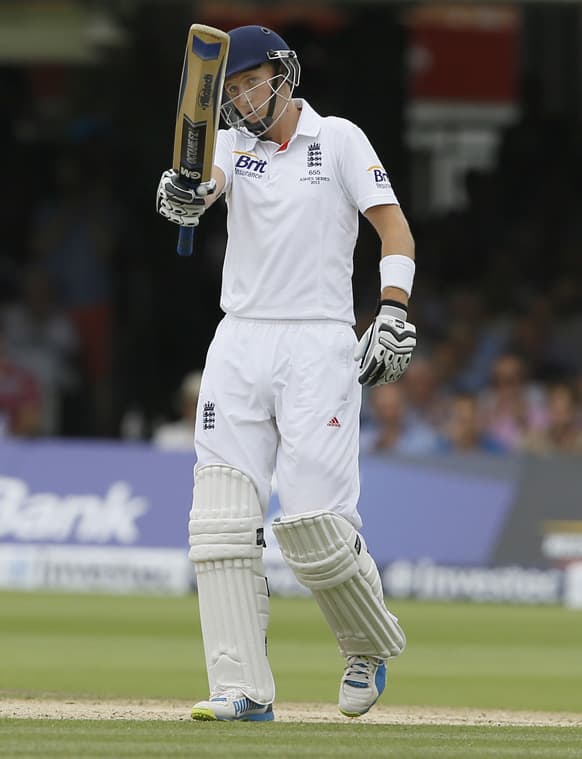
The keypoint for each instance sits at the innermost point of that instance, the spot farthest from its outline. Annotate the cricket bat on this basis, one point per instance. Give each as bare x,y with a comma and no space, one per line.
198,112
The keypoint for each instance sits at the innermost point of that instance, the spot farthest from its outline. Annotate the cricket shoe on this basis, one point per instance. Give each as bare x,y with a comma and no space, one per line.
362,684
232,705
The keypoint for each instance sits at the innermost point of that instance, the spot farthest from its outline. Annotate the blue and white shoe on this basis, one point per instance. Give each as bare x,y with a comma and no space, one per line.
232,705
362,684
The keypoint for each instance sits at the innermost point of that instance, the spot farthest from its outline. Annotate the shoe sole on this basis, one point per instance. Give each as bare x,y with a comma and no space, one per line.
353,715
207,715
356,714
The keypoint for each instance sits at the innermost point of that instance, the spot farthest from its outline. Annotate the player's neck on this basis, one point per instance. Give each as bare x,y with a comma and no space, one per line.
285,127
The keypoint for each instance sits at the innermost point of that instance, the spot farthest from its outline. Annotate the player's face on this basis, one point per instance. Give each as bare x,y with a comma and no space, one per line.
251,91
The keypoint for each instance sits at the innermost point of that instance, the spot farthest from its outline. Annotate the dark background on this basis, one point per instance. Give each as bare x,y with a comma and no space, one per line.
94,136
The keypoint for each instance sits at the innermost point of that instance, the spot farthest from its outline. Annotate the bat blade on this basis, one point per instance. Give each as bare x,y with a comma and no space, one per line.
198,112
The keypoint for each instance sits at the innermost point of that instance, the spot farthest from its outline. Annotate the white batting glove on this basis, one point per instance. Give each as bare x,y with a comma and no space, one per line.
180,204
385,349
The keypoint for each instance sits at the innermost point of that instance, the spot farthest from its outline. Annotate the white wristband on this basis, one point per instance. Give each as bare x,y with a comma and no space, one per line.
397,271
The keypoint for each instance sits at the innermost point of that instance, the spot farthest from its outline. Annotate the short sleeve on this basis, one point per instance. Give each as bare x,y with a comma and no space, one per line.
223,154
362,174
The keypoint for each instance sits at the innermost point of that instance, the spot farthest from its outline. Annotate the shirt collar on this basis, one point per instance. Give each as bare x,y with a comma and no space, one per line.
309,122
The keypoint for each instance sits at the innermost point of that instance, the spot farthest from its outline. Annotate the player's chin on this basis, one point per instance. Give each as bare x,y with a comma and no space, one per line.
257,116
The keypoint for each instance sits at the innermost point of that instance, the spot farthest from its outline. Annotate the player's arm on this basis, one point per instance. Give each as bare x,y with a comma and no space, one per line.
385,350
393,230
220,179
185,206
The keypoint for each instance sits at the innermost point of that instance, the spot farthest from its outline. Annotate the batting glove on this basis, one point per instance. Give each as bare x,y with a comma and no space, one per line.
385,349
179,204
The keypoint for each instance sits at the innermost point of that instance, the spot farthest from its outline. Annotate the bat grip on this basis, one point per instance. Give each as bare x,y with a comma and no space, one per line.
185,241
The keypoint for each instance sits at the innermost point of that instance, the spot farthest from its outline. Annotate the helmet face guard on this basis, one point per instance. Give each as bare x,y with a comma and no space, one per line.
251,46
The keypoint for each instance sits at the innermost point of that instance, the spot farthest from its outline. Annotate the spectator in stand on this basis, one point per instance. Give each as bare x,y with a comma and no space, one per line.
446,360
396,430
566,298
74,239
427,402
563,433
179,435
512,406
535,338
454,354
41,338
480,339
20,403
464,431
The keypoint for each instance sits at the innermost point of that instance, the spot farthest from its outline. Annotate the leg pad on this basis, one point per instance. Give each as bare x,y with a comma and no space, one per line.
330,558
226,545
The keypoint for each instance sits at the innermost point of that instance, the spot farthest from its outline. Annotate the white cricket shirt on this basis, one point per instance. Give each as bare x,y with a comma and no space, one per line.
293,218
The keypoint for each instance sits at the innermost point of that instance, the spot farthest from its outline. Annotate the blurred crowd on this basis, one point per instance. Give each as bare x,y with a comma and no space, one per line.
103,330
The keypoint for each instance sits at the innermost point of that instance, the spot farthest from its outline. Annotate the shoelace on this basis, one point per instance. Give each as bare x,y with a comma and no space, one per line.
360,669
233,693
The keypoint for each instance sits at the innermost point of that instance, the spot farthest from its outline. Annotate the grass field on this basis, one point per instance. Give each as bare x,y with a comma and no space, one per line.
459,655
142,740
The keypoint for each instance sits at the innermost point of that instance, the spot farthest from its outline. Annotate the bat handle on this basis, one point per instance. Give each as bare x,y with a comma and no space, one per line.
185,241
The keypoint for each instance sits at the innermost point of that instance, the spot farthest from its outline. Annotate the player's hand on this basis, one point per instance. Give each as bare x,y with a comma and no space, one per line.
180,204
385,349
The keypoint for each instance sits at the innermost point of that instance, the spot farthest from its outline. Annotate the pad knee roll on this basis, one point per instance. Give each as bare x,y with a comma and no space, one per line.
330,558
226,521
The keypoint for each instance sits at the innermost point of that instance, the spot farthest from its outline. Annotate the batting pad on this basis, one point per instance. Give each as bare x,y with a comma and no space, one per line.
330,558
226,547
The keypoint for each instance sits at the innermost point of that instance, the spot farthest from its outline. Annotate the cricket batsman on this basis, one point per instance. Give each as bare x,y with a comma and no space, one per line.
281,388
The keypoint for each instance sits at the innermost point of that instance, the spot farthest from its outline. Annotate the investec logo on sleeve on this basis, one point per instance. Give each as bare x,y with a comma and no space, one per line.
249,165
379,175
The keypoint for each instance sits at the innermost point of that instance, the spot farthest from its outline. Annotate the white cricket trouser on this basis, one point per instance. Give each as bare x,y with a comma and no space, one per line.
283,396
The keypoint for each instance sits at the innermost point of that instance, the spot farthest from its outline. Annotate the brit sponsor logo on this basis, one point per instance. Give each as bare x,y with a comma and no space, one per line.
250,165
379,175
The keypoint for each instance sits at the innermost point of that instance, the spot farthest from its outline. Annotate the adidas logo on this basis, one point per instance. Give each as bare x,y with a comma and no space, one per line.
334,422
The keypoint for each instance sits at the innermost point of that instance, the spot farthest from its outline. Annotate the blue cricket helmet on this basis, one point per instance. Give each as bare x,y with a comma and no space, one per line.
250,46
